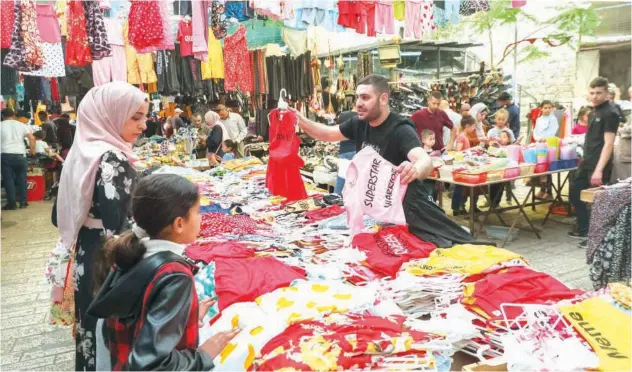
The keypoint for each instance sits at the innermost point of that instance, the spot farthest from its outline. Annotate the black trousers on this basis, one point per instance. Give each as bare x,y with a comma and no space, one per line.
14,168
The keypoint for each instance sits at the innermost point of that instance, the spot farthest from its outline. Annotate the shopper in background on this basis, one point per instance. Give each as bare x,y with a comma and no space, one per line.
621,164
176,122
546,125
49,128
235,125
203,132
216,137
613,96
13,158
502,117
596,166
95,192
465,109
581,127
454,117
346,150
230,151
434,119
462,143
479,112
65,134
149,297
505,101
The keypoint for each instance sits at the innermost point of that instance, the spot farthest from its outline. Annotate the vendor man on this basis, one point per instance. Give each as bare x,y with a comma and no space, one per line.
395,139
235,125
434,119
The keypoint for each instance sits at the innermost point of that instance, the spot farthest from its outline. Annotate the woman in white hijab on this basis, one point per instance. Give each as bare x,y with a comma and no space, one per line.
216,137
95,192
479,111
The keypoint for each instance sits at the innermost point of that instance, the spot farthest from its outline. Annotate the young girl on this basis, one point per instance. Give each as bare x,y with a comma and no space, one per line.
462,143
149,299
229,149
502,116
582,121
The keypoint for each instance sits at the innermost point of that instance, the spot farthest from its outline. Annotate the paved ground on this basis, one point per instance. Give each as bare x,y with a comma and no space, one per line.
27,342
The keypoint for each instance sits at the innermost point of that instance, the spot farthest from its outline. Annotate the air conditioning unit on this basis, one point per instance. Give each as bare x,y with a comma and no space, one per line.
390,56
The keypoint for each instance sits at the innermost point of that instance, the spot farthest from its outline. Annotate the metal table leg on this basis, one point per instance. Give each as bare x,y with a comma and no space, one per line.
558,196
521,207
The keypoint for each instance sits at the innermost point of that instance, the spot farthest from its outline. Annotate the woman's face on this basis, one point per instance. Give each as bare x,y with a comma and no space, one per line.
135,125
481,116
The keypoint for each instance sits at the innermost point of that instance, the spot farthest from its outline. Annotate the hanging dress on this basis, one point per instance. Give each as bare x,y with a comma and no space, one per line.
26,51
97,34
7,17
145,25
283,176
236,69
78,51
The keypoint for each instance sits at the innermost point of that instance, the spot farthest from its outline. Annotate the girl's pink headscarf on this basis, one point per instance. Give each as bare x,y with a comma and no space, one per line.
100,119
212,119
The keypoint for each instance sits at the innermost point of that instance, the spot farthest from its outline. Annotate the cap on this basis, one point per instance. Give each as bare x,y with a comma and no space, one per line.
179,111
220,108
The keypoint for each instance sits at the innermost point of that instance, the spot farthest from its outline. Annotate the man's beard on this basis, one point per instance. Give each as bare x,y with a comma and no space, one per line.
373,114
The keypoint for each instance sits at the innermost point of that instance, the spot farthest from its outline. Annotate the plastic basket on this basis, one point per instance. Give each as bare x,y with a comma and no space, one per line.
512,172
495,175
562,164
527,169
541,168
471,178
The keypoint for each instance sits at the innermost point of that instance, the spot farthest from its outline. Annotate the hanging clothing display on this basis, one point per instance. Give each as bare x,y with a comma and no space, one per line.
112,68
7,17
611,261
53,61
213,67
97,34
78,51
26,52
373,187
238,74
384,17
9,77
145,24
469,7
218,20
185,38
349,13
419,18
140,66
199,22
236,9
387,250
283,176
167,72
47,23
606,207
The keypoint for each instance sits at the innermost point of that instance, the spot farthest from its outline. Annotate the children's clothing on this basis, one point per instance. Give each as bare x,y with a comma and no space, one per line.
545,127
373,187
384,17
463,140
580,129
228,156
495,133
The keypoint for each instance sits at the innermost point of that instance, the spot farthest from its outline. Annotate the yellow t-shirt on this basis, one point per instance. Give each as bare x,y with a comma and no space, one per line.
607,330
399,9
213,68
140,66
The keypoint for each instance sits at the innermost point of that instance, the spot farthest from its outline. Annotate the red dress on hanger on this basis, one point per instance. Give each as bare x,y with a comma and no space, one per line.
78,52
283,176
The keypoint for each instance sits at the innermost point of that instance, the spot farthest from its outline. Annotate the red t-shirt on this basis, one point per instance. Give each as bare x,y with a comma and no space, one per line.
185,37
435,122
580,129
387,250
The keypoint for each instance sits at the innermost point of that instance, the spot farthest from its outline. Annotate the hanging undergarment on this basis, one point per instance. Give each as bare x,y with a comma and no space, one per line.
283,176
26,52
97,34
78,51
238,73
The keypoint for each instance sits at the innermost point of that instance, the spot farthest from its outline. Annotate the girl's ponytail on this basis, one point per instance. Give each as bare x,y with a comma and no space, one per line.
125,250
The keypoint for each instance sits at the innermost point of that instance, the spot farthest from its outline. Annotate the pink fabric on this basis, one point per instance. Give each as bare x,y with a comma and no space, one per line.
373,187
462,139
200,29
100,118
112,68
114,31
47,24
185,32
384,18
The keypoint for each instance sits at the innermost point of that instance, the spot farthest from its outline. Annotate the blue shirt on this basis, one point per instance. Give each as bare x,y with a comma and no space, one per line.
228,156
514,119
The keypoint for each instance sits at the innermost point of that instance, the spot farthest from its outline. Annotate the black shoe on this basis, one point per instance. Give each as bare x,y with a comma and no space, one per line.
576,235
8,208
583,244
24,205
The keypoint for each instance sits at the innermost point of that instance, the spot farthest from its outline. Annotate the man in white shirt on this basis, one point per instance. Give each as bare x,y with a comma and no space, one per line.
13,158
454,118
235,125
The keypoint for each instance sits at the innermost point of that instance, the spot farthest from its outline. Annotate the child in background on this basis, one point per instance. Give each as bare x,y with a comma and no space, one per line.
546,126
468,128
505,138
229,149
581,127
428,140
502,117
42,148
149,302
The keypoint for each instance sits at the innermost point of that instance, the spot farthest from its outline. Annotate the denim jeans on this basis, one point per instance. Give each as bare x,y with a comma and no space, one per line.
340,182
14,178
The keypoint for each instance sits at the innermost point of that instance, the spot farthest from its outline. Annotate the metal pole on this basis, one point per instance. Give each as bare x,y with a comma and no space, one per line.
515,63
438,62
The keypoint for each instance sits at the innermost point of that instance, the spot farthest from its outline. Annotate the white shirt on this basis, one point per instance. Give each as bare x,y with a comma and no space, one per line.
154,246
454,118
13,133
41,147
545,127
235,126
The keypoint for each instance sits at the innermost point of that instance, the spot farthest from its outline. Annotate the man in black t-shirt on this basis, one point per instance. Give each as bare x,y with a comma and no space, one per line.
49,128
596,165
396,140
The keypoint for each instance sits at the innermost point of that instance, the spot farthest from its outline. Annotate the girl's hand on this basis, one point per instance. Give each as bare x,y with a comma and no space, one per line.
204,305
214,345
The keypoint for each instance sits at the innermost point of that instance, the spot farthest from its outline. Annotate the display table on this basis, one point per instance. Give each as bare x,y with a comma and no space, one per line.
588,195
529,200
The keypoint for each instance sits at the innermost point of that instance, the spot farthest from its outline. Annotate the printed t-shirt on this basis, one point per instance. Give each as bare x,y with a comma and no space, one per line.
604,118
209,251
388,249
607,330
467,259
373,187
185,32
433,121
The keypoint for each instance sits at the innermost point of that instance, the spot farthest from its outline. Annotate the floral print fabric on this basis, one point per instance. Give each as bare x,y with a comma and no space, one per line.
26,52
238,74
53,61
78,51
7,17
219,23
145,24
611,262
97,34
